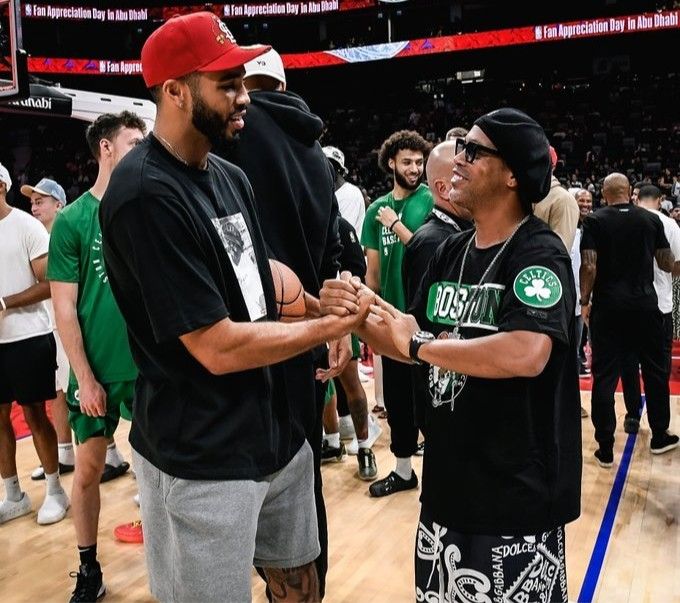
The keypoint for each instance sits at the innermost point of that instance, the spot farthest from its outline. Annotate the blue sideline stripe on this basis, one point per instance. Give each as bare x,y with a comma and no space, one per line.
599,550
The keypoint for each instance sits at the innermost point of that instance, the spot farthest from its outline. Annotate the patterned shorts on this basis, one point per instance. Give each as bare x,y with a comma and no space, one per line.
459,568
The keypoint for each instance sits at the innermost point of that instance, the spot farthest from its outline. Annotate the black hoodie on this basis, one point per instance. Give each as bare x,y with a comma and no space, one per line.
293,184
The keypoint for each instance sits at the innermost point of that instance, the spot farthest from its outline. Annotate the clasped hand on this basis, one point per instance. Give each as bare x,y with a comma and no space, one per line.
348,295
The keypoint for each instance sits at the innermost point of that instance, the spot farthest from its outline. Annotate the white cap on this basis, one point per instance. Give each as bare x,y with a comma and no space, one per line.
4,176
270,64
336,155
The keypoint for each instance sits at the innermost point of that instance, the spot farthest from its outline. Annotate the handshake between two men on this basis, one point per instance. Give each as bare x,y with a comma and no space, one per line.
387,330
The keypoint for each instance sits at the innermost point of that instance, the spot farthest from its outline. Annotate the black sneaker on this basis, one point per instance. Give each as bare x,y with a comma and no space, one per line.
420,450
391,484
89,584
631,424
331,454
604,458
664,443
39,472
368,470
114,471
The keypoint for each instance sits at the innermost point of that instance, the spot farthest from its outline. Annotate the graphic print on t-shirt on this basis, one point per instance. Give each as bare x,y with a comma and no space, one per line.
236,239
450,303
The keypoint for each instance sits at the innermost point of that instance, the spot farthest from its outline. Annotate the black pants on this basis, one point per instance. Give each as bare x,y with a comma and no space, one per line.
630,372
315,441
398,393
617,336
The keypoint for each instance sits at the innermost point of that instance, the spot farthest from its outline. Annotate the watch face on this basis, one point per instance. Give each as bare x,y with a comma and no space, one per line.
424,335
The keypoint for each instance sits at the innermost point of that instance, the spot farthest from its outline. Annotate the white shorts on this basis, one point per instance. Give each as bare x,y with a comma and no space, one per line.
62,366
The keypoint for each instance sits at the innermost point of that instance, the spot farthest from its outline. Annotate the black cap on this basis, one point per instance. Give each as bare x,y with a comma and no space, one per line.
524,146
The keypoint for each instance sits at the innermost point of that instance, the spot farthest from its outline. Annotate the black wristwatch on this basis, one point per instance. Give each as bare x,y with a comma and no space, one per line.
417,339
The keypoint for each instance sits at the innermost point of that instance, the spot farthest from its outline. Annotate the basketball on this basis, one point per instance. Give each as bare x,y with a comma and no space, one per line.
289,293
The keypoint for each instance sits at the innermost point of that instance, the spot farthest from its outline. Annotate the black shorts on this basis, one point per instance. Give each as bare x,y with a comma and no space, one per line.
27,370
451,566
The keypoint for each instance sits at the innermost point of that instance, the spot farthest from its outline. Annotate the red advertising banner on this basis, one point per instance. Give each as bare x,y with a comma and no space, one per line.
258,8
504,37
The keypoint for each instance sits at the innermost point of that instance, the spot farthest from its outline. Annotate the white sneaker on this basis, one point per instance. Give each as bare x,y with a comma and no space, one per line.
346,428
135,498
53,509
365,370
11,510
353,447
374,431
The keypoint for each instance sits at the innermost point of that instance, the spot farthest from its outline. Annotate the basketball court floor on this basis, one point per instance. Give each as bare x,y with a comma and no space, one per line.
625,547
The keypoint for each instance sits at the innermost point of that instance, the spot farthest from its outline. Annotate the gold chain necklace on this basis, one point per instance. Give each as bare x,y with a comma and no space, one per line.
172,150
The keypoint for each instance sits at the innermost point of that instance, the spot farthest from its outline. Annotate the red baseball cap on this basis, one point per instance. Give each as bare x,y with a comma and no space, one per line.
553,157
195,42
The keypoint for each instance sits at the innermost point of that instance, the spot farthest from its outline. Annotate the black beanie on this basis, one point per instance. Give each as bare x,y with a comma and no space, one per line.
525,148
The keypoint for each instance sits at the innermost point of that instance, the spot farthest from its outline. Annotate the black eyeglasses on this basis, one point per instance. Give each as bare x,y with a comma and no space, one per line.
472,149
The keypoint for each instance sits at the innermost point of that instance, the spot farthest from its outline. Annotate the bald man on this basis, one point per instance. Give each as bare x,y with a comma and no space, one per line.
445,220
619,304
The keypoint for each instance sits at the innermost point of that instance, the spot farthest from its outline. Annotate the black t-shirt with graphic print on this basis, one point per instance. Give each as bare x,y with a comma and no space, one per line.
183,251
503,456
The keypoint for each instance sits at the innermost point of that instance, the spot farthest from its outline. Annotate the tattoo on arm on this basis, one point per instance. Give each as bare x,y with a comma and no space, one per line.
588,272
299,584
665,260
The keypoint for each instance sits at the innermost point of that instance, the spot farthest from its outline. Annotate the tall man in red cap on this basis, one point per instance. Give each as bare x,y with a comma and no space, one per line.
502,465
225,477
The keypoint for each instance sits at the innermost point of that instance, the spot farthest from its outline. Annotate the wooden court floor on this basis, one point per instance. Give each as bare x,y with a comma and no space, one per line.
371,541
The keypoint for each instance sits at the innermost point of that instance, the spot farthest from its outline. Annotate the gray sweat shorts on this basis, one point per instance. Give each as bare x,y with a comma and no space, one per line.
202,538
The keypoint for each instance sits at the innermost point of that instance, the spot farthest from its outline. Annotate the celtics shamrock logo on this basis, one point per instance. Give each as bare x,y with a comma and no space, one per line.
538,287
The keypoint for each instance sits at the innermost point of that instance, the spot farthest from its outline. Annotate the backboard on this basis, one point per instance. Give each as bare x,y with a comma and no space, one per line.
13,59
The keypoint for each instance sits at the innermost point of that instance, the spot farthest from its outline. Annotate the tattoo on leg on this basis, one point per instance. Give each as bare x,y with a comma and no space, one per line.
296,584
359,411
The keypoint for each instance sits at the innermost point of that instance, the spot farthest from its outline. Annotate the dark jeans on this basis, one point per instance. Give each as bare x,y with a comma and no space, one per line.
398,393
617,336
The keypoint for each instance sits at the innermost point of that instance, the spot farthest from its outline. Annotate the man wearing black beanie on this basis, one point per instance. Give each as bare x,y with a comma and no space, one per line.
491,327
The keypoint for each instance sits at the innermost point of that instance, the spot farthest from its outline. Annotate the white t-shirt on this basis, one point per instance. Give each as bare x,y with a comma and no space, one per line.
22,239
663,281
351,205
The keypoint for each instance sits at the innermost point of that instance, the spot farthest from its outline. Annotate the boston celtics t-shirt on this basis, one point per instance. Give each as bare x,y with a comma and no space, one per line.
503,456
183,251
412,211
75,256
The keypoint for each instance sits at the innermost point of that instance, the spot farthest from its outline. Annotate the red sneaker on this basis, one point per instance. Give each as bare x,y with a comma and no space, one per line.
129,532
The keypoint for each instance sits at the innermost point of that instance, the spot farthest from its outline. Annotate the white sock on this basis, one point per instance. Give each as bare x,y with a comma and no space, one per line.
333,439
113,457
403,468
13,491
53,484
363,443
66,454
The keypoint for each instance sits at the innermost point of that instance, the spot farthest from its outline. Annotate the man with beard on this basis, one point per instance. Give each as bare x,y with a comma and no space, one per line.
293,189
225,476
389,225
502,465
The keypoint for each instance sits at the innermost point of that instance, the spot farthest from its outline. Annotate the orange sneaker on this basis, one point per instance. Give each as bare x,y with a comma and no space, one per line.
129,532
